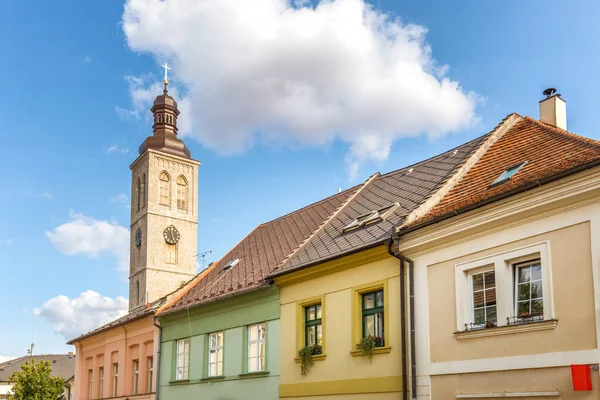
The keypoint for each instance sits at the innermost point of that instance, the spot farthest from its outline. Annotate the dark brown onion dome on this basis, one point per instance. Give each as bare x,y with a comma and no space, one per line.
165,137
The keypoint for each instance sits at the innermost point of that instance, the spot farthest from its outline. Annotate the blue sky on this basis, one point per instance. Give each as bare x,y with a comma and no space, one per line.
68,148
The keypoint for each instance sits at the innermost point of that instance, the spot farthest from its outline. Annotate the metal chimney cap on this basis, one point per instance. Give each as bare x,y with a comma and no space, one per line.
549,92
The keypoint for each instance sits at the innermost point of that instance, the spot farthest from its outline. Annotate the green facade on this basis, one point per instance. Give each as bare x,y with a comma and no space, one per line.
232,316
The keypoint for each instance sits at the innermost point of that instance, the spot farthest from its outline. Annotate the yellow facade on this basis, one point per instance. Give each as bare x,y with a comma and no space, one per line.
341,371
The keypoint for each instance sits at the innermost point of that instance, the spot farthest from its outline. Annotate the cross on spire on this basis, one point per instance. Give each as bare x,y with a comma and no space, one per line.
166,67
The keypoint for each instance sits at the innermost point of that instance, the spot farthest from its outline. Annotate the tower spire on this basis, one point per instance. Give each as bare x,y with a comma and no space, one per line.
165,113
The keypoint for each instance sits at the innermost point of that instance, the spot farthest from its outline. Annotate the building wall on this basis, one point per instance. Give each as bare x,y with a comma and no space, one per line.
232,316
121,345
561,217
342,372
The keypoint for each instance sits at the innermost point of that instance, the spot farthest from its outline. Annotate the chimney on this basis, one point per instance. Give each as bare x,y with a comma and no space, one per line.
553,109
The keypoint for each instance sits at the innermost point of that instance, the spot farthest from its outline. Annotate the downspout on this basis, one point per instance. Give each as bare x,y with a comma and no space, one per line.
157,363
402,318
411,284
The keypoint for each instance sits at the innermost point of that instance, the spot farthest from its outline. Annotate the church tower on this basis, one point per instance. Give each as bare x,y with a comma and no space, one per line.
164,210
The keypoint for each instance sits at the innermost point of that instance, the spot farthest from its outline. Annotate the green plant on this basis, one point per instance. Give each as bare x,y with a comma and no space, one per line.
35,382
367,344
306,360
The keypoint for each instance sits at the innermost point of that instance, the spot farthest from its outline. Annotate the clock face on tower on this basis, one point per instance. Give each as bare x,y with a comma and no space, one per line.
138,237
171,235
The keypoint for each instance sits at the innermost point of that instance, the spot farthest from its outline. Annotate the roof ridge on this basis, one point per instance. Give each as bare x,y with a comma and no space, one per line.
449,150
463,168
564,132
360,188
309,205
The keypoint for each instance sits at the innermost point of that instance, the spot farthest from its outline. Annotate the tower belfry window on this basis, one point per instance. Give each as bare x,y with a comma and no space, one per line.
181,193
139,193
142,194
164,189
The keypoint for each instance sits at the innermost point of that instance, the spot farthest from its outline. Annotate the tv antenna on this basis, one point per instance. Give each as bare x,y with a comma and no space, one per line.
203,255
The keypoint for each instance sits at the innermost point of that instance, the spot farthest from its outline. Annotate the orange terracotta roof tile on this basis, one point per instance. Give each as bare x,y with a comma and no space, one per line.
547,150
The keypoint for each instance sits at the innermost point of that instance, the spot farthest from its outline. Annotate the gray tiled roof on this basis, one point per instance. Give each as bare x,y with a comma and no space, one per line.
63,365
409,186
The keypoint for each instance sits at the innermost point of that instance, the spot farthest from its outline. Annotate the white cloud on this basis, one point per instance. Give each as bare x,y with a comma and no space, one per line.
73,317
7,242
291,72
215,220
91,237
43,195
6,358
121,198
86,59
114,148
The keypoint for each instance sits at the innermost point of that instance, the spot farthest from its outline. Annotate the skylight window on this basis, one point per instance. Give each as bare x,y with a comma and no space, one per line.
370,217
508,173
230,264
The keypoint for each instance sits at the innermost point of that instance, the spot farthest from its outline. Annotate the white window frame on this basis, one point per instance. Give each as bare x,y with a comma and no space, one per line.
182,359
477,271
136,376
217,350
502,263
256,356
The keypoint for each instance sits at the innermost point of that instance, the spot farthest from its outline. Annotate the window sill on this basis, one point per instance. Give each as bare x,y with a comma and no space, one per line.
180,382
318,357
377,350
212,378
507,329
258,374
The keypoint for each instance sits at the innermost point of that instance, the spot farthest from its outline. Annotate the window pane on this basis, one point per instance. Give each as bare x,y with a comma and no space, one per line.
478,282
537,307
262,331
490,297
478,299
311,335
523,308
261,349
213,370
319,335
261,363
491,314
253,350
252,364
379,298
318,307
186,347
310,313
253,332
220,368
524,291
536,272
213,356
369,321
479,316
379,324
524,274
489,279
536,290
220,356
368,301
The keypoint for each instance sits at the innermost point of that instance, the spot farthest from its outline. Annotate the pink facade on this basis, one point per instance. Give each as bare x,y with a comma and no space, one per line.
118,363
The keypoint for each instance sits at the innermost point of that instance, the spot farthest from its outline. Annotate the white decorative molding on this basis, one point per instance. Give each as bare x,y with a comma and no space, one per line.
526,361
504,395
507,330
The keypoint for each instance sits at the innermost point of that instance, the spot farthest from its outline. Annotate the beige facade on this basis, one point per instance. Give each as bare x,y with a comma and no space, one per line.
164,194
557,226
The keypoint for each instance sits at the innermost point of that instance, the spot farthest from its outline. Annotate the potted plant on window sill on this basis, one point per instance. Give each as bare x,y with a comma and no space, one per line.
368,344
306,353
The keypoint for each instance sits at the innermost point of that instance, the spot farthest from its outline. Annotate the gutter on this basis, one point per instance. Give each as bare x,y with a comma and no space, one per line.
413,363
157,363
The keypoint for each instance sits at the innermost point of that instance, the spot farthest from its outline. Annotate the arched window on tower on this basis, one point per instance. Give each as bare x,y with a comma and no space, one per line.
139,193
181,193
164,189
143,191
